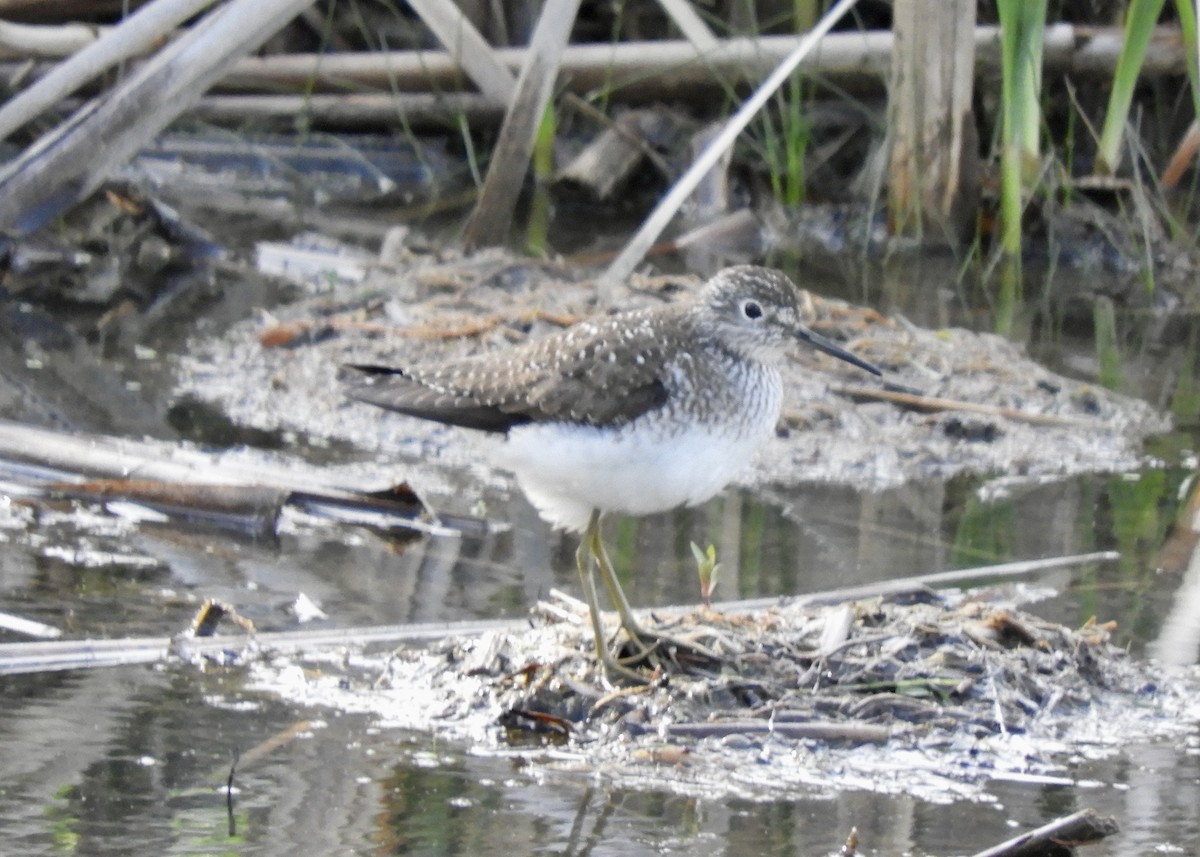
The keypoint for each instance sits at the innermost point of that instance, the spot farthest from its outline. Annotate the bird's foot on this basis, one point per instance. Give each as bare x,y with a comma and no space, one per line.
656,650
616,672
642,655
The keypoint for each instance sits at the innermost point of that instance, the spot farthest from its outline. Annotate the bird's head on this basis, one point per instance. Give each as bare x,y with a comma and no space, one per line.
757,312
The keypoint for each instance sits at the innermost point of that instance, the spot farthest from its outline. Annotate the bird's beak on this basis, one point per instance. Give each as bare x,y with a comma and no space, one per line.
820,343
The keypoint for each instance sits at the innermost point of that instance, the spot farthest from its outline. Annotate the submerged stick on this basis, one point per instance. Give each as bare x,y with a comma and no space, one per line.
1017,568
854,733
1059,837
916,582
18,658
232,819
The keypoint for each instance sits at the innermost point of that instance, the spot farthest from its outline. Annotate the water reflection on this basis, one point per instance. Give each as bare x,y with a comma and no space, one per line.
454,810
775,542
132,760
150,749
142,775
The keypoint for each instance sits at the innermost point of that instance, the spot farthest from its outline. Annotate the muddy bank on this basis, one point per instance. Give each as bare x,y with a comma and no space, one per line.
953,401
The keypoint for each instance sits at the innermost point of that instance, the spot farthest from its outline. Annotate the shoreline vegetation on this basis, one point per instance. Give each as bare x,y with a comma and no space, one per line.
977,116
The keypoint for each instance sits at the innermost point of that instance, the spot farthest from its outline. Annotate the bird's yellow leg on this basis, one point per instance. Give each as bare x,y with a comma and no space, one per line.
609,575
585,557
646,641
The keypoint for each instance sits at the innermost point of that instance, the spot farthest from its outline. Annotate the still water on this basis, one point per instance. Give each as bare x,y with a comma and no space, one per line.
135,760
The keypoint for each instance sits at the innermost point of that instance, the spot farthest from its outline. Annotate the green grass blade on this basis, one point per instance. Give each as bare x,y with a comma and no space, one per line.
1022,30
1187,28
1139,26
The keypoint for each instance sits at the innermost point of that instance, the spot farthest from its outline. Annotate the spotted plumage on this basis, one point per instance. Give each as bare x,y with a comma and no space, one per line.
608,371
632,413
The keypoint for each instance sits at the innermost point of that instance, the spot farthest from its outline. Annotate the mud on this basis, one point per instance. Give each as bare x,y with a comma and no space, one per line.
277,373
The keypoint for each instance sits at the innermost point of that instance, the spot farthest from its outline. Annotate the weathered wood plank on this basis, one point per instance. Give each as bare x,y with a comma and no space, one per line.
492,216
933,175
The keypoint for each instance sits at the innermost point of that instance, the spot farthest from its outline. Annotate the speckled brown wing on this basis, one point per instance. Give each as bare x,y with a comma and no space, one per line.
605,372
395,390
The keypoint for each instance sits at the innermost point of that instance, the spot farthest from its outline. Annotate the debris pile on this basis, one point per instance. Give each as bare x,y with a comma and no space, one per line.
935,697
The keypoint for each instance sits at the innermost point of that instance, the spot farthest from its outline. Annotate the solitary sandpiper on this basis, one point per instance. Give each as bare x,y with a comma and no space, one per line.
633,413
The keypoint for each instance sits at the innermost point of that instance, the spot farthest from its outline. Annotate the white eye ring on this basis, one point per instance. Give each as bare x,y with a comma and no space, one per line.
752,309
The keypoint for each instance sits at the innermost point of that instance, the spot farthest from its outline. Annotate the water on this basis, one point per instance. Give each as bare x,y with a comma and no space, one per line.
134,760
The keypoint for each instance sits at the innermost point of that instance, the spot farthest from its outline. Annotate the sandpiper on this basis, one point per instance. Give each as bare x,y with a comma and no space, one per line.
632,413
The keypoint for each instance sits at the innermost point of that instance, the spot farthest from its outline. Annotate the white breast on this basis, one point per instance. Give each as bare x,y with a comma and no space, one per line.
655,463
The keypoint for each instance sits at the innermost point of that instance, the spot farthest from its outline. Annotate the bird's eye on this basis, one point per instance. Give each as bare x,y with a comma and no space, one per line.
751,309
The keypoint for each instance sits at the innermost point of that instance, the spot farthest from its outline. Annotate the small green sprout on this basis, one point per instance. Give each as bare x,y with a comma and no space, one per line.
707,568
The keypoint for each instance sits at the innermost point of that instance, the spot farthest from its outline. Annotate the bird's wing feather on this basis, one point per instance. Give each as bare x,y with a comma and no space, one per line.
395,390
568,377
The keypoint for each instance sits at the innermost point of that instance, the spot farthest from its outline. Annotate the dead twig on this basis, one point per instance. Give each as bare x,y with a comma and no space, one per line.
619,693
287,333
232,819
856,733
491,219
935,403
98,50
73,160
636,248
